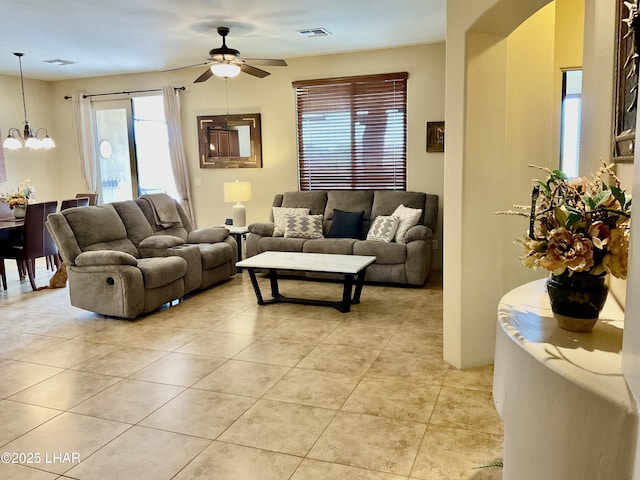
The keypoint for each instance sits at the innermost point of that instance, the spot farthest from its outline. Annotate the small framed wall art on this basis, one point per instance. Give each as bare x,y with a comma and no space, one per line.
435,136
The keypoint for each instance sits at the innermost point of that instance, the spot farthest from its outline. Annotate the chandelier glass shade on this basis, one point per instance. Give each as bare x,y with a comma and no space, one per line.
27,137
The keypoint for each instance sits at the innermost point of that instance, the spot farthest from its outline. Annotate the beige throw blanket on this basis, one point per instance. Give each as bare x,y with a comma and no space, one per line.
164,210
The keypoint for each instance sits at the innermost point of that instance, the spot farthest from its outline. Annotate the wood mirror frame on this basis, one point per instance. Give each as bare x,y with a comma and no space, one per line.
230,141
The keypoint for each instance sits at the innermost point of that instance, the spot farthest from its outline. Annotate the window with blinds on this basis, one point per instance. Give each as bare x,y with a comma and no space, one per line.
570,127
352,132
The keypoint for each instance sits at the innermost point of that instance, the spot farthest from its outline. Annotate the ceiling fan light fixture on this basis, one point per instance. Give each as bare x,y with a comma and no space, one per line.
225,62
225,70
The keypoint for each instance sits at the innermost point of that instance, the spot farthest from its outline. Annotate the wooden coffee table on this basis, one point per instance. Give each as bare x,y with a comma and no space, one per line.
351,266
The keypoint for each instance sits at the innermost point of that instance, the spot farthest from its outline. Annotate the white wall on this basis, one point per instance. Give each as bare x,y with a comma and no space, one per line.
477,116
530,135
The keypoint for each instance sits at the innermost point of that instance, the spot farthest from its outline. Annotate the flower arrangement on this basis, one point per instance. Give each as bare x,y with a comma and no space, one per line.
21,198
577,225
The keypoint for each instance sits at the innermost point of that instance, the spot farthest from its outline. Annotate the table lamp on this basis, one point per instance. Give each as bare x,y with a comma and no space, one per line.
238,192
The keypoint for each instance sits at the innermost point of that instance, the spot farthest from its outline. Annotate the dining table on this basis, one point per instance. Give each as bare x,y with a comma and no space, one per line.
11,228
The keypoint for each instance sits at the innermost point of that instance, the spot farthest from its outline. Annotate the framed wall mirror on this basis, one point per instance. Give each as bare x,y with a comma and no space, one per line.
230,141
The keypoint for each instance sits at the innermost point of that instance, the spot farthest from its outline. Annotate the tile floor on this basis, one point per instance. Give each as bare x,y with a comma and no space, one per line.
220,388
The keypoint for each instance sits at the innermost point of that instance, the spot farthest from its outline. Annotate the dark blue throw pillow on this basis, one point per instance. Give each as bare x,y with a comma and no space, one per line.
346,224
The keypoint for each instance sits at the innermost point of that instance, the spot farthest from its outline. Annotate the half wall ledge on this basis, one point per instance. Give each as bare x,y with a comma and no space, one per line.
567,411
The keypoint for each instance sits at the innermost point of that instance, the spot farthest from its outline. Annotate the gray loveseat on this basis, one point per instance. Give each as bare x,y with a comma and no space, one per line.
121,262
402,261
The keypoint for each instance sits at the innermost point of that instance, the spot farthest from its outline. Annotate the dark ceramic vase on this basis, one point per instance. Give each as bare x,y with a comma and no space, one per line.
576,300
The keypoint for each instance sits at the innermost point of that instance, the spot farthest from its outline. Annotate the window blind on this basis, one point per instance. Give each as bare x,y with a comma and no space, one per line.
352,132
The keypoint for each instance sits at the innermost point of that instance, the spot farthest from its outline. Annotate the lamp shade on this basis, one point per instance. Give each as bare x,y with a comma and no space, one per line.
237,191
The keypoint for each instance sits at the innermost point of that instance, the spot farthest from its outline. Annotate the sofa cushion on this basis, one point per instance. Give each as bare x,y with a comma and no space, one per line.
385,253
264,229
384,228
99,228
303,226
138,228
105,257
279,214
350,201
386,201
215,254
161,242
341,246
408,217
314,200
346,224
281,244
161,271
208,235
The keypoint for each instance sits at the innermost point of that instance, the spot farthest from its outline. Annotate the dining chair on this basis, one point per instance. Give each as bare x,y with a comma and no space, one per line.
36,242
52,264
93,198
75,202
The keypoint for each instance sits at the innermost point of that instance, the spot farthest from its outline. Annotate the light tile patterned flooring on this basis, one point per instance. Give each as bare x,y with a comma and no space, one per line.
220,388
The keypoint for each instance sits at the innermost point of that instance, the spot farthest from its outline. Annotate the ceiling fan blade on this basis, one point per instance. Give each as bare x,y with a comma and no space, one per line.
256,72
188,66
272,62
206,75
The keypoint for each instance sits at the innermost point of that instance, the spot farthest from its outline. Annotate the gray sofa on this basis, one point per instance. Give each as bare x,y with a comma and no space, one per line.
406,261
122,263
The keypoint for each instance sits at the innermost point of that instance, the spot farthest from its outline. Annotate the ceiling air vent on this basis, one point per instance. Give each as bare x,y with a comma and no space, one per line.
59,61
314,32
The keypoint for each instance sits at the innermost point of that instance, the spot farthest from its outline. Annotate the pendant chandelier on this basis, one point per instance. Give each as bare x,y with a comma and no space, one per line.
34,140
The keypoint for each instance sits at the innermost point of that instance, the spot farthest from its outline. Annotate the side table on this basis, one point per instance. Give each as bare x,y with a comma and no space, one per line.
238,234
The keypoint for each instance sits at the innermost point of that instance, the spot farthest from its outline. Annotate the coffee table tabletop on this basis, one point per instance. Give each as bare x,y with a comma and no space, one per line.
308,262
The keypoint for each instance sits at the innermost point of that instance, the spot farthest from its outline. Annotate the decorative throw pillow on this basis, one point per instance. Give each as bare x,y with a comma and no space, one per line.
383,228
408,218
303,226
346,224
278,217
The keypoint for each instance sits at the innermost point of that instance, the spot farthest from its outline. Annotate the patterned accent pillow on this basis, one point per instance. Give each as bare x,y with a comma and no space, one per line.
278,217
303,226
383,228
408,218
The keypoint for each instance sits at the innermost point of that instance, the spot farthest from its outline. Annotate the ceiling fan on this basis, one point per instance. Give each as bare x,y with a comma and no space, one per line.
226,62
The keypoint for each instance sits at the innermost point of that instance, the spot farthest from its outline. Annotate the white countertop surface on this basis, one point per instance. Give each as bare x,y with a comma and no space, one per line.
593,360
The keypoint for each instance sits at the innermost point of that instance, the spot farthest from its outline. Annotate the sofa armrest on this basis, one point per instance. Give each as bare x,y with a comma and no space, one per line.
105,257
263,229
418,232
207,235
161,242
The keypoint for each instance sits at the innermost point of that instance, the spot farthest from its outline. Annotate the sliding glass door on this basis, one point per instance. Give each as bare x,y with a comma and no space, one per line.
114,135
133,148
